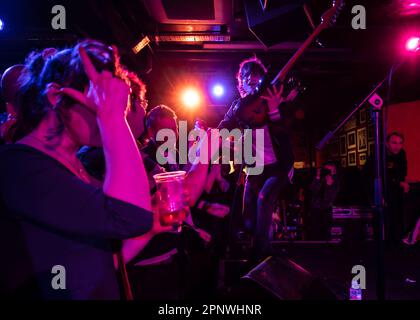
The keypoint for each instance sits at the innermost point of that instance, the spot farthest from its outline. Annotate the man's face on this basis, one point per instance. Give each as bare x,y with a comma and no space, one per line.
250,80
332,168
395,144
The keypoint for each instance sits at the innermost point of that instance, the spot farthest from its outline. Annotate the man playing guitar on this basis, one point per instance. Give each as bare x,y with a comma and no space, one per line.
262,191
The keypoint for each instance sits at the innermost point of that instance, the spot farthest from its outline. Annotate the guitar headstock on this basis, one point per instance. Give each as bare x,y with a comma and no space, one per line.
329,18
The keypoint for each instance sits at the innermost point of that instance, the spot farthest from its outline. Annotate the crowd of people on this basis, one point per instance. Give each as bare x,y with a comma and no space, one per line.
81,155
80,150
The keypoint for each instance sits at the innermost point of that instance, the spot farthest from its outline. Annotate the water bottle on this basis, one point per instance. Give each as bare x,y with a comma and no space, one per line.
355,291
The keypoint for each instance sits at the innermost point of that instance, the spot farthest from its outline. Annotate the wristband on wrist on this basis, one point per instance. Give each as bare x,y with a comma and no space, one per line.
274,115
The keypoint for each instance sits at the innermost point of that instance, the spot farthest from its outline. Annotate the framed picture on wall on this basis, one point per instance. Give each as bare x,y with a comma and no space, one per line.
362,159
362,116
351,140
343,145
352,158
371,148
361,139
334,147
343,162
351,123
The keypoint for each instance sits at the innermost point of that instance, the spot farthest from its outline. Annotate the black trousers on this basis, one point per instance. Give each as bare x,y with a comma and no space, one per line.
188,275
394,214
259,202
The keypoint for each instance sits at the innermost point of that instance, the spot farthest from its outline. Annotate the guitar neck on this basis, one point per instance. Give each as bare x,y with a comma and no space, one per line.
289,65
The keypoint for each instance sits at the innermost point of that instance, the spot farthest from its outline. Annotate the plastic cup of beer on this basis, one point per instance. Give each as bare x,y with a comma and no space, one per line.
171,202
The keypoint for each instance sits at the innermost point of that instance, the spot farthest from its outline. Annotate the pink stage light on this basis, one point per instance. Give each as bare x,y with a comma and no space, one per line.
413,44
410,7
413,4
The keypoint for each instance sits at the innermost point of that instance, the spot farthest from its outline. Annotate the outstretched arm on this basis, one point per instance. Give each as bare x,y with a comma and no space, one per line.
125,177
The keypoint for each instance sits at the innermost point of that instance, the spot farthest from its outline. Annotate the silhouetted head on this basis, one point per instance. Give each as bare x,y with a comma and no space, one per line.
161,117
10,86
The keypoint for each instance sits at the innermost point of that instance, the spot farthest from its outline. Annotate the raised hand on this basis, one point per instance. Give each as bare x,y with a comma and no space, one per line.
107,96
274,97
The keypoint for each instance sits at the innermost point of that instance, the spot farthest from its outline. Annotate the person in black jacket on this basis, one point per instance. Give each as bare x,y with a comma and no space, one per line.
53,217
262,191
396,186
324,189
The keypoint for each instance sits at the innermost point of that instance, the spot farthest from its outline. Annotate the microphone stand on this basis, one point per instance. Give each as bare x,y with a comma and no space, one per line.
379,200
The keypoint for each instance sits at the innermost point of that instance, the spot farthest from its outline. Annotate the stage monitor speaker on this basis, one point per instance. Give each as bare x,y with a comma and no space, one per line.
282,20
278,278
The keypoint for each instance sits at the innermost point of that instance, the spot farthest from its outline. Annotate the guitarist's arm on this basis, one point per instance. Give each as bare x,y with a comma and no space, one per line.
230,121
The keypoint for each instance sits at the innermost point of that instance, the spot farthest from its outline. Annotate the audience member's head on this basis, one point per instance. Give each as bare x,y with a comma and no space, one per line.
10,86
251,72
395,142
161,117
330,167
39,98
137,104
9,89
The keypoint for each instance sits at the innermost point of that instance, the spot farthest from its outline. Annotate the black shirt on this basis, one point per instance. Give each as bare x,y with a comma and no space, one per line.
323,195
279,134
50,217
396,165
93,160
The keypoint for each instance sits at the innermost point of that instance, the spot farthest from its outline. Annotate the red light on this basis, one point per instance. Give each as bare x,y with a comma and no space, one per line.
413,44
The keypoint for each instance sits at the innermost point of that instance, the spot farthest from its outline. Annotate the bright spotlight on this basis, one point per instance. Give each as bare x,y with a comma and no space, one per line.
1,25
413,44
191,98
218,90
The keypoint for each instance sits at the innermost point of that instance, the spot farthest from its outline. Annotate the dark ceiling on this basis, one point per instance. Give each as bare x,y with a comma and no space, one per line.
338,71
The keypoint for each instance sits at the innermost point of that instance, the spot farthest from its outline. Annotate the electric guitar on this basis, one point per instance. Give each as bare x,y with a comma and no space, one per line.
252,110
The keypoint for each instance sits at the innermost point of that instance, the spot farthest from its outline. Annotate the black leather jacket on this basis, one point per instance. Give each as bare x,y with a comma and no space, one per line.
278,133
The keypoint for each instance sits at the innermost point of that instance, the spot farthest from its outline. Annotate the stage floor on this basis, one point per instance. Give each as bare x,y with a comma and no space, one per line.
333,262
